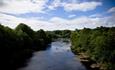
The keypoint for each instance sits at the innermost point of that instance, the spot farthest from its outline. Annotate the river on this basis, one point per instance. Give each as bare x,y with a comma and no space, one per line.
57,57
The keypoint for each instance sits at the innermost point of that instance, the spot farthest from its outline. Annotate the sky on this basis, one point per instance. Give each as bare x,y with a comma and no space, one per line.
58,14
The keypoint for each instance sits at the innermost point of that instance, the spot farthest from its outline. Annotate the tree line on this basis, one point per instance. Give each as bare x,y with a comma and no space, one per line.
98,44
17,45
59,34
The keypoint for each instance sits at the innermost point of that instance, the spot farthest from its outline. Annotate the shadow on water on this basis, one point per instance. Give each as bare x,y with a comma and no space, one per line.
25,63
57,56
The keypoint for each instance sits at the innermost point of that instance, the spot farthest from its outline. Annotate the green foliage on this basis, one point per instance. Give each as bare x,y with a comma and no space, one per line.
59,34
98,43
16,46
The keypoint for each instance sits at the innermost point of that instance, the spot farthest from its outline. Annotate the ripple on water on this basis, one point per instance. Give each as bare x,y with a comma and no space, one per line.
58,57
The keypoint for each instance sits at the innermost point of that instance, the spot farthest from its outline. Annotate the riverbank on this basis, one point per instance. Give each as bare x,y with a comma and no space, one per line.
88,62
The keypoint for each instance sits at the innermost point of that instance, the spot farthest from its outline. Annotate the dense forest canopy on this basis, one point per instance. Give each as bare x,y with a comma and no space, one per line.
98,44
17,45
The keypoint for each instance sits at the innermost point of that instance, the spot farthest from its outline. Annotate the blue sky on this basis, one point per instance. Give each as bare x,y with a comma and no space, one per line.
58,14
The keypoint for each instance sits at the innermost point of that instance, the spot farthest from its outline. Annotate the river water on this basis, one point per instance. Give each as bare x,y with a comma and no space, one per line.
57,57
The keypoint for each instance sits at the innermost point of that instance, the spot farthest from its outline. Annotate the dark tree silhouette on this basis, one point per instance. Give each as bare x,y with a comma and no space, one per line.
16,46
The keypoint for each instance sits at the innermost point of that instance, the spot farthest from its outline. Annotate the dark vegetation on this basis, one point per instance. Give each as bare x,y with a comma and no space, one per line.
17,45
98,44
59,34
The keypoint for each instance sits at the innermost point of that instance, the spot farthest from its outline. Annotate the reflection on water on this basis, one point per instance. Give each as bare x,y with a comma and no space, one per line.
58,57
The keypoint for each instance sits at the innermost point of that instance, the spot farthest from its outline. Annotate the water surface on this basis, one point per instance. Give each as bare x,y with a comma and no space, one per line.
57,57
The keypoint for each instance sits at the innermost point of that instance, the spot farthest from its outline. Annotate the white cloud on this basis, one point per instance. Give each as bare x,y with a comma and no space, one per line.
22,6
27,6
82,22
13,21
55,4
71,16
57,23
79,23
111,10
96,15
84,6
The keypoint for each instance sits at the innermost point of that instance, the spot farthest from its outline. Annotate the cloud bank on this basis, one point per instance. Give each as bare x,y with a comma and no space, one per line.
57,23
22,7
73,6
